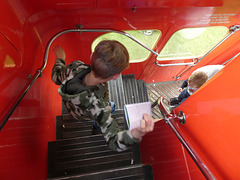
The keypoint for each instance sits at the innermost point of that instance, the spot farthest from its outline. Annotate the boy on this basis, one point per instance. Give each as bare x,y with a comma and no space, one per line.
85,93
194,82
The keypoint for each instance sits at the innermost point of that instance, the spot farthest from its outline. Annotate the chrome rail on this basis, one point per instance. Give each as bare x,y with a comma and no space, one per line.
93,30
171,121
13,106
177,64
7,114
203,168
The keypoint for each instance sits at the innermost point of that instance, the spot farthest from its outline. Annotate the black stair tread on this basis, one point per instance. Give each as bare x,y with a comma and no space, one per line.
77,152
127,172
116,92
70,141
69,117
130,89
142,89
128,177
80,124
86,155
82,132
82,145
76,133
114,158
82,150
66,118
97,167
92,168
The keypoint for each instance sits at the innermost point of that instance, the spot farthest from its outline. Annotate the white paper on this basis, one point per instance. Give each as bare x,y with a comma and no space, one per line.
134,113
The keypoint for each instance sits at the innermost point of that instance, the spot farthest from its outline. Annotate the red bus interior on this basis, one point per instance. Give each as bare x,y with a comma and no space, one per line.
206,146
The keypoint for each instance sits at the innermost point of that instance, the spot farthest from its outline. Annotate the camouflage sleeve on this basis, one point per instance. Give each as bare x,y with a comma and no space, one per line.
62,73
58,71
117,139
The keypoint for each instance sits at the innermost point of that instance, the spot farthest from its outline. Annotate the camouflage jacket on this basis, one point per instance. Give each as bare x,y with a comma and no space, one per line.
89,102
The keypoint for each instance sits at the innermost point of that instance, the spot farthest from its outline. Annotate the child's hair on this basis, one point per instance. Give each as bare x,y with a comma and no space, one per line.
198,78
109,58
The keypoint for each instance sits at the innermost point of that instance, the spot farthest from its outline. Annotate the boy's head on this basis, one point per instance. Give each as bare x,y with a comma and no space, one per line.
109,58
197,79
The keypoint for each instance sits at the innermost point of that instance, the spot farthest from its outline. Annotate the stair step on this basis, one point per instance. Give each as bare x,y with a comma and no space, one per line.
66,142
125,173
68,127
86,155
77,154
94,167
83,144
116,92
94,161
83,126
130,89
142,87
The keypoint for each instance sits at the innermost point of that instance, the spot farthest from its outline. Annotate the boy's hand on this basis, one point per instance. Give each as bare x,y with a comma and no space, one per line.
146,125
59,52
180,90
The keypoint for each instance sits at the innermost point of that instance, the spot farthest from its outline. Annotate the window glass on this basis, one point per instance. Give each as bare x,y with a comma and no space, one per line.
192,42
137,53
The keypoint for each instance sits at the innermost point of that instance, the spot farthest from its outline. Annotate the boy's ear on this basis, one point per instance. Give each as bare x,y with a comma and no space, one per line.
115,76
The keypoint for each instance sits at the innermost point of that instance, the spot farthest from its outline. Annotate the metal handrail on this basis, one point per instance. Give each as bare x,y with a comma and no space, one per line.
203,168
177,64
93,30
177,77
11,108
38,73
170,119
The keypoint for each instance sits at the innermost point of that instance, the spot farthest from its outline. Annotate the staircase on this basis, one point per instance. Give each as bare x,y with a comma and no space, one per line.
77,154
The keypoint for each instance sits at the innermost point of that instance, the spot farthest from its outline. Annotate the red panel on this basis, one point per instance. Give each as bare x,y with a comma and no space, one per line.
157,3
28,25
212,124
24,138
164,152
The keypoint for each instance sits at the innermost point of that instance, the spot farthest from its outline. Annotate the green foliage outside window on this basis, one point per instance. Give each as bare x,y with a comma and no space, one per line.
192,42
184,44
137,53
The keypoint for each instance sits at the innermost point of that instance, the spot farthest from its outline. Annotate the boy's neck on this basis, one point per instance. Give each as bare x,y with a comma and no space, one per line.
91,80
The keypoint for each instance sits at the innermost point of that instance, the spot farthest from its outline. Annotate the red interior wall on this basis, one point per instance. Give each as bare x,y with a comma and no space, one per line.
212,122
25,29
24,138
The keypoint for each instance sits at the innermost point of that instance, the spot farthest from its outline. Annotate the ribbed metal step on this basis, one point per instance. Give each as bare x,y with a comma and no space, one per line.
133,172
130,89
127,90
67,127
167,89
142,89
116,92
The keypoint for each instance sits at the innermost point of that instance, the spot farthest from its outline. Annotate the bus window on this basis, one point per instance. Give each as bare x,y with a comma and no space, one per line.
192,43
137,53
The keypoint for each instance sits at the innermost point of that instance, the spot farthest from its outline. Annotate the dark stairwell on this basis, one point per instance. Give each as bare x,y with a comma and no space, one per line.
77,154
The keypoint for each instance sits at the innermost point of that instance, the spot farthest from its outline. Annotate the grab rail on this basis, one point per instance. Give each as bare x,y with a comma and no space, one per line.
170,119
20,96
38,73
177,64
203,168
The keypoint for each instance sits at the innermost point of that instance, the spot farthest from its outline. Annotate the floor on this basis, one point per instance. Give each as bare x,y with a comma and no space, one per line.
167,89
